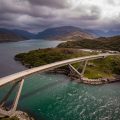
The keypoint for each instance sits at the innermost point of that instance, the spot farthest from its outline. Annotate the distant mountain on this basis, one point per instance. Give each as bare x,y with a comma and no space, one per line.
102,43
58,33
24,33
7,35
64,33
103,33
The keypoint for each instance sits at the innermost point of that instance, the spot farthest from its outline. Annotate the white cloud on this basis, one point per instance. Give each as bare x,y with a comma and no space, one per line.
107,10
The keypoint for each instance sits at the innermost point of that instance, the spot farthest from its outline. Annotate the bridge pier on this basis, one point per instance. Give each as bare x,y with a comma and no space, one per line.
84,68
3,101
3,111
77,72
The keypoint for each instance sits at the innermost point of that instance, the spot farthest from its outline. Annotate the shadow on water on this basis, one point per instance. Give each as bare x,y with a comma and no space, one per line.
37,90
41,89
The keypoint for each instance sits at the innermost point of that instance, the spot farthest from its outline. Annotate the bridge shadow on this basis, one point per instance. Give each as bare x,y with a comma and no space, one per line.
35,91
41,89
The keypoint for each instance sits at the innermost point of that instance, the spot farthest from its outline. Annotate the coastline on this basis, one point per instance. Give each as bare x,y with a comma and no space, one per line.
99,81
23,115
18,115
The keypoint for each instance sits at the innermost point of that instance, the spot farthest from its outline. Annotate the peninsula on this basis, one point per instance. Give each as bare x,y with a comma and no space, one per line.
102,68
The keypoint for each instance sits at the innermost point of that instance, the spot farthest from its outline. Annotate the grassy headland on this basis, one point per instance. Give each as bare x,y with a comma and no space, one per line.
96,69
110,43
45,56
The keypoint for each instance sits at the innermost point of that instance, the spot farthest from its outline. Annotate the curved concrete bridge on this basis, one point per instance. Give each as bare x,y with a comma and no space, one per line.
18,78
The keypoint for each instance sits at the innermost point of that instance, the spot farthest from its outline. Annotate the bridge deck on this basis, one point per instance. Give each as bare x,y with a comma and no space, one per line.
44,68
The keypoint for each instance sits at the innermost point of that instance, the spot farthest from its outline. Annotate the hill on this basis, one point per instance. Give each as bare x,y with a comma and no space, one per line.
7,35
59,33
64,33
103,43
103,33
24,33
39,57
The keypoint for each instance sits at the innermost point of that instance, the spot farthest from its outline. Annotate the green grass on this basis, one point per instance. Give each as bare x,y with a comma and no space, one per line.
110,43
45,56
106,67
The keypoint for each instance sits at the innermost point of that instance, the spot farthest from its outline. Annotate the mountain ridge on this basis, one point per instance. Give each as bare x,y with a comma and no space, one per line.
8,35
63,33
56,33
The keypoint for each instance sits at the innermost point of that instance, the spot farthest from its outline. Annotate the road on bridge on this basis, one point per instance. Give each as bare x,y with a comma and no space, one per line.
44,68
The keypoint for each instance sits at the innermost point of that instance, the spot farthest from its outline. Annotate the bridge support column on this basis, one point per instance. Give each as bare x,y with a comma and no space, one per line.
77,72
3,111
74,70
3,101
83,70
18,96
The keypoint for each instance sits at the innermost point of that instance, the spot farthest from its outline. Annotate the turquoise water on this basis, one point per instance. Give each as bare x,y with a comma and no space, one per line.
54,96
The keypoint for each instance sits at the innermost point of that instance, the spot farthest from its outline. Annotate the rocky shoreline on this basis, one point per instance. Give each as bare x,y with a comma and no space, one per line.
99,81
18,115
22,115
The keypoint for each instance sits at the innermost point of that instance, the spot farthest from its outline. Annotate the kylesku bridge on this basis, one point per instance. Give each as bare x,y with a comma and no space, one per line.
18,79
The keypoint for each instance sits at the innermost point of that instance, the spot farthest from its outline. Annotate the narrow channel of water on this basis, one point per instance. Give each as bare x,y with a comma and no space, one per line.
55,97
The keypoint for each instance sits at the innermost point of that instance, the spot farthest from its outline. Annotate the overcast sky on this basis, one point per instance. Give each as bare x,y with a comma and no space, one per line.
36,15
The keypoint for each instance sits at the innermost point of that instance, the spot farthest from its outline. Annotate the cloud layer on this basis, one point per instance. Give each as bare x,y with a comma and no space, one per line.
36,15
